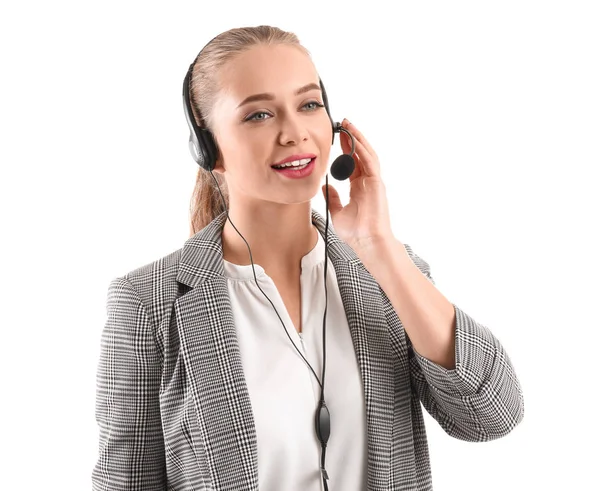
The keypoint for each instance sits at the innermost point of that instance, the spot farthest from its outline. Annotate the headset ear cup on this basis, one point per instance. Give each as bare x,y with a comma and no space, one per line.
208,149
201,142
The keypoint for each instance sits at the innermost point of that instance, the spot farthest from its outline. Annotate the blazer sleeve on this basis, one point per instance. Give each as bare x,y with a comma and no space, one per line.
131,451
481,398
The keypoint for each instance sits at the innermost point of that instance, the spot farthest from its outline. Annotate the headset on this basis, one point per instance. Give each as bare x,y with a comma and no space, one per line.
204,150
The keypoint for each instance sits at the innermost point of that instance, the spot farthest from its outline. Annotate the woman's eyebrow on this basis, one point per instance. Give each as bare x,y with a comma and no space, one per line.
266,96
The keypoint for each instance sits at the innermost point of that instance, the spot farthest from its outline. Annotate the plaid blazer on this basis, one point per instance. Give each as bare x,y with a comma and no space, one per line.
173,407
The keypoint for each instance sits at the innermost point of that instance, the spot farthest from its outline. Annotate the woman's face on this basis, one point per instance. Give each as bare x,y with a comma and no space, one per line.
253,135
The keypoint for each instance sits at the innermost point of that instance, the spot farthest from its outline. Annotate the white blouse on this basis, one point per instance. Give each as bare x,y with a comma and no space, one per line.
283,390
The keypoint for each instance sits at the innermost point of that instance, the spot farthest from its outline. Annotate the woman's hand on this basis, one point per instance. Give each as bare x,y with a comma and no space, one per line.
364,222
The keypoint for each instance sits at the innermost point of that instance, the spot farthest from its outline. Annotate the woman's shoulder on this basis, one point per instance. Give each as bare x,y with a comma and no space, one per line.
156,282
162,269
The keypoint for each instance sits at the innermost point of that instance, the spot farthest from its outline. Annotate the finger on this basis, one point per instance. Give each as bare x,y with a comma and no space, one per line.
335,203
359,136
369,166
357,173
345,142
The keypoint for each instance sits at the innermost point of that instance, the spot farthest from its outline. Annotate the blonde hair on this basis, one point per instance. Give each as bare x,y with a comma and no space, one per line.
206,202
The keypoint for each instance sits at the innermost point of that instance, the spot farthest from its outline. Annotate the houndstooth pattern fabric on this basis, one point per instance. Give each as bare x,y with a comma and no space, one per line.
173,408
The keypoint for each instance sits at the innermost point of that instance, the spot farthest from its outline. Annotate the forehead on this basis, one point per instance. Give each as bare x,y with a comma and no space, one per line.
279,69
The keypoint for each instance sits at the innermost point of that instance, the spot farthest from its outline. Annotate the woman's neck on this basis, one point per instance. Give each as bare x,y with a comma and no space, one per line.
278,237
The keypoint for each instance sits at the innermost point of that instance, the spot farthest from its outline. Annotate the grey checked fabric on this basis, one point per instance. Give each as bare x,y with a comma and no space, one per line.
173,408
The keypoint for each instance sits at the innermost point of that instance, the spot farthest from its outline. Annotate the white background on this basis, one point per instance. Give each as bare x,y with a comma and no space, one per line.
486,120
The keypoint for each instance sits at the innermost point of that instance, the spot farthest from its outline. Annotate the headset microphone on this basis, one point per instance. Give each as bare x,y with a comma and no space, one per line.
343,167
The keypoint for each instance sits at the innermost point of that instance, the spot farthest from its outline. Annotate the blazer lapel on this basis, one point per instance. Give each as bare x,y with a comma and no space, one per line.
212,357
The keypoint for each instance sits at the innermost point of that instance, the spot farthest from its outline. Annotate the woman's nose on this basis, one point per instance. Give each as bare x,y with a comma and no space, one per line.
292,131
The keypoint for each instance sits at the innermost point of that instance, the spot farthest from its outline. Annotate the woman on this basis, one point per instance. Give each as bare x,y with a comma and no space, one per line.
201,386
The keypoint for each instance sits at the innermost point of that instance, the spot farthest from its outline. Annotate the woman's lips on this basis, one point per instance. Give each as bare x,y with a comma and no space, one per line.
297,174
291,158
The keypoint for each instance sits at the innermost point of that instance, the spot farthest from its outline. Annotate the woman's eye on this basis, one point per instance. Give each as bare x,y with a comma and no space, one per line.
253,117
314,102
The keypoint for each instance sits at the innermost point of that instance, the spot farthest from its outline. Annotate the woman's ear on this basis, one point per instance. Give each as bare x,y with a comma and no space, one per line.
219,167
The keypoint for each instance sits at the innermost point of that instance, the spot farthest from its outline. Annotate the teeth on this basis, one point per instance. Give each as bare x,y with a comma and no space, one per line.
295,163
